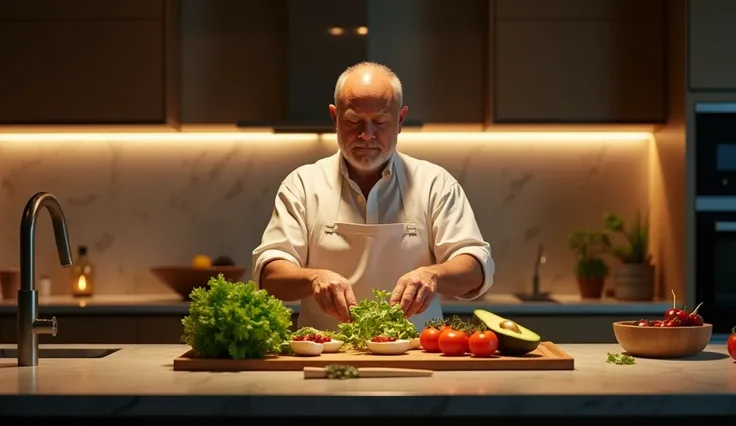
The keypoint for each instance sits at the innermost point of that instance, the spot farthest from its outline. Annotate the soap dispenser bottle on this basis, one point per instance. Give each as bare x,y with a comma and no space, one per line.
83,274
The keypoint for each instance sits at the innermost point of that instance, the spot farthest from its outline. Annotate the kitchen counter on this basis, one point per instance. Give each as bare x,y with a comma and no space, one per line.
503,304
139,380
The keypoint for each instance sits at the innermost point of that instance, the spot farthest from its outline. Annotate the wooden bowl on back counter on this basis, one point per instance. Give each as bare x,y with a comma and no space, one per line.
184,279
662,342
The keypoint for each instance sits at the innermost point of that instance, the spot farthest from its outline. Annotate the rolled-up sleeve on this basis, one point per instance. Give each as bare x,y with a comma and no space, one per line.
285,236
455,232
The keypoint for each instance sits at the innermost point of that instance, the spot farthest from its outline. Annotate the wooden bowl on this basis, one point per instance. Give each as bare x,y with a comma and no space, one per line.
662,342
184,279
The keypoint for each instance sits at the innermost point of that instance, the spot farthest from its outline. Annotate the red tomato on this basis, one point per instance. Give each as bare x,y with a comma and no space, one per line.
732,343
483,343
429,339
453,342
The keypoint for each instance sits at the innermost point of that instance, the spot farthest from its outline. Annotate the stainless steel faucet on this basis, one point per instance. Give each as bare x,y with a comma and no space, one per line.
29,325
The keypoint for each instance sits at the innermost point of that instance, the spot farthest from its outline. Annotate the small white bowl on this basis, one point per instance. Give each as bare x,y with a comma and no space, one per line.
389,348
306,348
415,344
333,346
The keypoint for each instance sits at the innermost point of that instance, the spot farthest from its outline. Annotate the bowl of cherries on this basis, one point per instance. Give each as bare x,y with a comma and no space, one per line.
679,334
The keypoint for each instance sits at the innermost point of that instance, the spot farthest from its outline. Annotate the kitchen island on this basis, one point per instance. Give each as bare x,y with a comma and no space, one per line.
138,380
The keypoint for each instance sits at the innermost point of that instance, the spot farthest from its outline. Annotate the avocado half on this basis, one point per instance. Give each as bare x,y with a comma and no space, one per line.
513,339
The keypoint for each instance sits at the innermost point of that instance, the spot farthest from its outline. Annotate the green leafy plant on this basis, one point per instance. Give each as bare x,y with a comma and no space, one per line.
636,249
235,320
374,317
589,246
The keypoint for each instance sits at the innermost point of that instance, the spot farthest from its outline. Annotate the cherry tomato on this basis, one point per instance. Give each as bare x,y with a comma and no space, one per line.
732,343
483,343
453,342
643,323
429,339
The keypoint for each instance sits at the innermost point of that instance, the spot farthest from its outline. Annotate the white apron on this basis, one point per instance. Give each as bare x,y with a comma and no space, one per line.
369,256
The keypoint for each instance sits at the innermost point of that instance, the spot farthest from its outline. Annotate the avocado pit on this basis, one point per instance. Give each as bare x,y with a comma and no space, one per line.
510,325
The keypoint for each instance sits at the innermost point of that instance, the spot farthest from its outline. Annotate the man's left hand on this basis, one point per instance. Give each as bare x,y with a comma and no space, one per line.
414,291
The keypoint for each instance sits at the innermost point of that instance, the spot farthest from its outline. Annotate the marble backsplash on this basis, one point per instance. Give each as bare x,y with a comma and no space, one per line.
138,203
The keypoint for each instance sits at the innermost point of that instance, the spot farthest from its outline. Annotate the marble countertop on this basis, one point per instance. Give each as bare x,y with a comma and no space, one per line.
503,304
139,380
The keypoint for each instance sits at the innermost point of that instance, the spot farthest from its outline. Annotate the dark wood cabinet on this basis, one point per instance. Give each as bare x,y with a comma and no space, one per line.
440,51
711,53
584,61
77,62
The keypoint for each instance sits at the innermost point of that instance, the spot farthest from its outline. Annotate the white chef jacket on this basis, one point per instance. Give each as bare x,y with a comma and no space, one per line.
449,218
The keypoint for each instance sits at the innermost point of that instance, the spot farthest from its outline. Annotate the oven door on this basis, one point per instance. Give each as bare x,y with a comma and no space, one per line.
715,148
715,268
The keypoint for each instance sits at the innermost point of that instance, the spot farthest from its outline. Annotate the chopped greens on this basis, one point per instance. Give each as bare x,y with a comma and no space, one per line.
375,317
620,359
306,331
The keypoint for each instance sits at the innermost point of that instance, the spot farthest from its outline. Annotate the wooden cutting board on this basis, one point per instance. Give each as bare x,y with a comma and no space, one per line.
546,357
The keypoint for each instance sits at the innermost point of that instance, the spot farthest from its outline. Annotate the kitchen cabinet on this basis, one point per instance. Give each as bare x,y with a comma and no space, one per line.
584,61
711,33
82,62
233,60
439,49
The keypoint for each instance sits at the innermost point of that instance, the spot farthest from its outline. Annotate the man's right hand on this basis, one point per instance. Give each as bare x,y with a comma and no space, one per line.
334,295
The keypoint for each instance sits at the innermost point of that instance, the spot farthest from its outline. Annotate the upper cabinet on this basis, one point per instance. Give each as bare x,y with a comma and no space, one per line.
711,56
439,49
578,61
267,62
82,62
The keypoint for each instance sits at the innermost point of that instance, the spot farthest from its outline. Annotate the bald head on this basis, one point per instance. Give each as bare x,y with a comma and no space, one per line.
369,80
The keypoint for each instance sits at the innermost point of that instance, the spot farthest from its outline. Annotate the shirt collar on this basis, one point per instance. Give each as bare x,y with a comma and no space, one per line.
388,170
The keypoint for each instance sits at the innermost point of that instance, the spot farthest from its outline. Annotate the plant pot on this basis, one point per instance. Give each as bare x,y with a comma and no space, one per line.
591,287
634,281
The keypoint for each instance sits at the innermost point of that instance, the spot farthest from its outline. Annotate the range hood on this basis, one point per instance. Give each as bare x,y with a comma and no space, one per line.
325,37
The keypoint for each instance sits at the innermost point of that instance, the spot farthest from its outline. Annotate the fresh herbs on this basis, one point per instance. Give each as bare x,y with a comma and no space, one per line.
620,359
235,320
374,317
458,324
341,372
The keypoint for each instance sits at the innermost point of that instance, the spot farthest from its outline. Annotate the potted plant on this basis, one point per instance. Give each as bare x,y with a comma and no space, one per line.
633,276
591,270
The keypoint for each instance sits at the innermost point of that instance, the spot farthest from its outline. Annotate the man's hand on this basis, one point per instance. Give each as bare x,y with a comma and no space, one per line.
415,291
334,295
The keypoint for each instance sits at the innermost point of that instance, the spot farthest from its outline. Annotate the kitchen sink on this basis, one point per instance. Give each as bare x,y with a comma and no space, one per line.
64,352
539,297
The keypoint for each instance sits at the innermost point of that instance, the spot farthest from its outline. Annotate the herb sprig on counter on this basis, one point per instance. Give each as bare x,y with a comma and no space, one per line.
376,317
620,359
235,320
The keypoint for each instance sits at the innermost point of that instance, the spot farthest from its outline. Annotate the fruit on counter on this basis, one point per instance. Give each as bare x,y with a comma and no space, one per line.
376,317
453,342
236,320
331,340
483,344
675,317
513,339
223,261
201,261
731,345
429,339
383,339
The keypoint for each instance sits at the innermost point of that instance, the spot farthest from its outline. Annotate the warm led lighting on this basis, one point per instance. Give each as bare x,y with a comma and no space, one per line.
196,139
336,31
362,30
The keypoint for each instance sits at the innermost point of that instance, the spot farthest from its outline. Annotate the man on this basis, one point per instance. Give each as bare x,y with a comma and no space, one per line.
370,217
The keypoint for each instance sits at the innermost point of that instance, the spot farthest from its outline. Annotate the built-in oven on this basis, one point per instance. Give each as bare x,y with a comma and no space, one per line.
715,213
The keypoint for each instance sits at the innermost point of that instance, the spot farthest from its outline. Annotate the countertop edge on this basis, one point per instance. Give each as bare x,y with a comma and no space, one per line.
454,308
363,405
